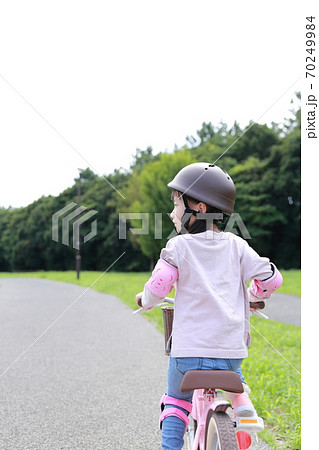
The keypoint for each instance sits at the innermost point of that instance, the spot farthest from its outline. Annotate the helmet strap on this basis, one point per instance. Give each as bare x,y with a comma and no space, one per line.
198,226
188,212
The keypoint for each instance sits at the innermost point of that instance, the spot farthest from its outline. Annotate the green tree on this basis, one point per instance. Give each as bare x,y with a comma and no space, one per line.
283,182
264,163
148,193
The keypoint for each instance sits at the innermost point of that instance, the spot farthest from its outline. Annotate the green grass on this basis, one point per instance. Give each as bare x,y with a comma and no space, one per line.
274,356
292,282
272,374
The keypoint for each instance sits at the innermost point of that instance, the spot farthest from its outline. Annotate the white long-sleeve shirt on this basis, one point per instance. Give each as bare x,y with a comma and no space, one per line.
211,316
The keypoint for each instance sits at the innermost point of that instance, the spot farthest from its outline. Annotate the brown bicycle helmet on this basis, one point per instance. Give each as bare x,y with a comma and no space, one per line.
206,183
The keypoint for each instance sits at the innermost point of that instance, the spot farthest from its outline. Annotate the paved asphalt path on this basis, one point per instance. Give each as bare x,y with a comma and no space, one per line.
92,381
284,308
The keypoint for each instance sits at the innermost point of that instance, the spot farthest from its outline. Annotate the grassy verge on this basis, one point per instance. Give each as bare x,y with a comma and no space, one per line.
274,357
272,374
292,282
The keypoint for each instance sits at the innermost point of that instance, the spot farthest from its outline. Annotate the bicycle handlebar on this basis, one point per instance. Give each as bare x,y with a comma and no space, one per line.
170,301
258,313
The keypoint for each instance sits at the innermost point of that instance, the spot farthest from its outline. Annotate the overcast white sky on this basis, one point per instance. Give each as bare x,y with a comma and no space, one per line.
86,83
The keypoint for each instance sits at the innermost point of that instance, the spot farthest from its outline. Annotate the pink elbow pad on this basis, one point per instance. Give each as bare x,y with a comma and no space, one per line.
163,278
264,289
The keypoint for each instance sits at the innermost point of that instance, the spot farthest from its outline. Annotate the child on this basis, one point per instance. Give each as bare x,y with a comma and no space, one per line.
209,269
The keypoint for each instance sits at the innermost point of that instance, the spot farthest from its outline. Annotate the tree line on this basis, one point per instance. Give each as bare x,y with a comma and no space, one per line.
263,161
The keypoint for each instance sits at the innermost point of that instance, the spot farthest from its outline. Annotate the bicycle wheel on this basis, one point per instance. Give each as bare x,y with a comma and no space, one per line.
220,432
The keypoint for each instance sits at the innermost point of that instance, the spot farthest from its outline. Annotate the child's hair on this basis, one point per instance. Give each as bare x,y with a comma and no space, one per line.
202,224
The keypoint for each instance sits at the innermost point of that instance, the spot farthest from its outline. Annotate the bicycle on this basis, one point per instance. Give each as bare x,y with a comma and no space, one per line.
210,426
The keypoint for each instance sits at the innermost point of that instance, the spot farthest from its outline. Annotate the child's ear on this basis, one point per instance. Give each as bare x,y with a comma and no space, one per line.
202,207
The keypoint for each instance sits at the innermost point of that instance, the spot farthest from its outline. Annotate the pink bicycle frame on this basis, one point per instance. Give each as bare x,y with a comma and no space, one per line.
203,401
207,386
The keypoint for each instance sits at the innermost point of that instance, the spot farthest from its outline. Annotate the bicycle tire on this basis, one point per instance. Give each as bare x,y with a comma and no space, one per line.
220,432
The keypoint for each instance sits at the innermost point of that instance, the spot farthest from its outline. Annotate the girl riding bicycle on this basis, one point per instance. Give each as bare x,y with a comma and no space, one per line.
209,269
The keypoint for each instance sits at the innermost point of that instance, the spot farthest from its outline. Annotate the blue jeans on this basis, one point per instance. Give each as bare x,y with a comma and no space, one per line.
173,428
